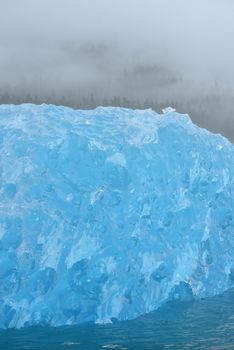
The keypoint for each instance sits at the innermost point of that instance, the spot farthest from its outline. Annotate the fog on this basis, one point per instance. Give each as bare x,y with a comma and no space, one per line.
134,53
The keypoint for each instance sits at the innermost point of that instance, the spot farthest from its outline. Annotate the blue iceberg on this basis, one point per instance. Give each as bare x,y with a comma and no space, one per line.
107,214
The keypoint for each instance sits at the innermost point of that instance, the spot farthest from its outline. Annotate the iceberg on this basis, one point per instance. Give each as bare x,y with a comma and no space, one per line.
107,214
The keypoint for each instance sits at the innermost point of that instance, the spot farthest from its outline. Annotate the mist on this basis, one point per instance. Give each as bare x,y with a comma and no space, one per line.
133,53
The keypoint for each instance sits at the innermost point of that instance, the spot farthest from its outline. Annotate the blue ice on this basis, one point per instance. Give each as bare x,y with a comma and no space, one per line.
107,214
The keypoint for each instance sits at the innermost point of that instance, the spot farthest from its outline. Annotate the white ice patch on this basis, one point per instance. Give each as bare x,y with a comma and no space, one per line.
84,249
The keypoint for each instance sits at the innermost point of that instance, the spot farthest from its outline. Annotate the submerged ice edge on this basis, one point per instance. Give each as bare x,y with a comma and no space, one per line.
106,214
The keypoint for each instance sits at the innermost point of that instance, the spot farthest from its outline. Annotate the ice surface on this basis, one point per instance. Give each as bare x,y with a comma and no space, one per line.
107,214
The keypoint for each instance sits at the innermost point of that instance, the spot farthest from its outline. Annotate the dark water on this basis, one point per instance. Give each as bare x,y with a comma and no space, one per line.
204,324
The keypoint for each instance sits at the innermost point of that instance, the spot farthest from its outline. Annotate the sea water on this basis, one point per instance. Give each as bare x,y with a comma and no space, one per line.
207,324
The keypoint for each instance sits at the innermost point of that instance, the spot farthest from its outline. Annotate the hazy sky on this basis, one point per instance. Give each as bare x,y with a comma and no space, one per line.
40,40
161,49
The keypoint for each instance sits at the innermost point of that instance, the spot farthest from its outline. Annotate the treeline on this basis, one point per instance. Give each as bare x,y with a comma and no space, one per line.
91,101
85,102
